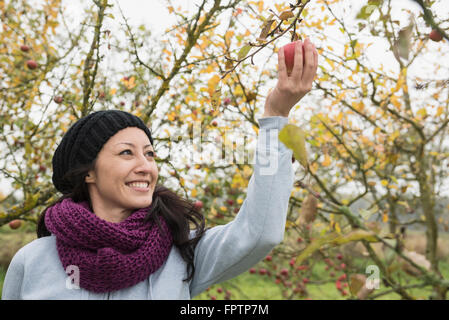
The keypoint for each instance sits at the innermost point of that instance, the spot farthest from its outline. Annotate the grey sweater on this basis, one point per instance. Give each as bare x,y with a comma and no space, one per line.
224,252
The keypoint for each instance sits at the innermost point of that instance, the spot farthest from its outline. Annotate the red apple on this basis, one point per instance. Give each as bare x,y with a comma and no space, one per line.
15,224
31,64
289,55
24,48
252,270
198,204
214,123
262,271
58,99
435,36
284,272
338,285
292,262
226,101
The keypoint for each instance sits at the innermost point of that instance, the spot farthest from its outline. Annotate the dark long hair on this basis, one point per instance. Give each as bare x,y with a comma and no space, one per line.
179,213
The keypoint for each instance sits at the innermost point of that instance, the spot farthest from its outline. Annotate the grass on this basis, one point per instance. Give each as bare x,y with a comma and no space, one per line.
2,278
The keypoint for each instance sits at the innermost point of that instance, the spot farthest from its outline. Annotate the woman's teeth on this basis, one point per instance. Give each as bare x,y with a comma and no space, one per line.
138,184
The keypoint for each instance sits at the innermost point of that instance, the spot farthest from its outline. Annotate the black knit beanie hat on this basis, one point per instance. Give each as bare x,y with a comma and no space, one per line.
84,140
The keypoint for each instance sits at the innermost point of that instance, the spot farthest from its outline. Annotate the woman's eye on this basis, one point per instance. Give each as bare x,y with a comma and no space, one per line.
151,153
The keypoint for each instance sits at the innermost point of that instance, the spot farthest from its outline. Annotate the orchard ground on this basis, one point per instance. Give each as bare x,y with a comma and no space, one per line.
254,286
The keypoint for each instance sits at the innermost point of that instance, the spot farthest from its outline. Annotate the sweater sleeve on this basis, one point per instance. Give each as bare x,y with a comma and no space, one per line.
12,285
225,251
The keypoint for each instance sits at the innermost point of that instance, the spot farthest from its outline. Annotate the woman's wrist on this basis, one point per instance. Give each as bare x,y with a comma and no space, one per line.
268,112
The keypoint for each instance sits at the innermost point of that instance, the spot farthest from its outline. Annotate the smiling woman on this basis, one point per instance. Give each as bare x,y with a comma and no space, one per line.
124,177
112,214
120,235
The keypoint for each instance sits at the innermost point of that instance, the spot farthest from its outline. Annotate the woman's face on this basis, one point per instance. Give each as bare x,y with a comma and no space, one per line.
126,157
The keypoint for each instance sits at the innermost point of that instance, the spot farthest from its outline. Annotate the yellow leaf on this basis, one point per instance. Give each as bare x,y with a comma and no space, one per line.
395,101
286,15
422,112
294,138
327,161
384,182
385,217
212,84
247,171
193,193
337,227
339,117
239,201
238,91
216,98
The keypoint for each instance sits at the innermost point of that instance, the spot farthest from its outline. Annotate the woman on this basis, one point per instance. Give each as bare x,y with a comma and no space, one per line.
116,234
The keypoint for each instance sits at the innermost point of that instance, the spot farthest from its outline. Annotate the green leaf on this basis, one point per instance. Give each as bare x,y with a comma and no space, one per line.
315,245
294,138
243,52
335,239
366,11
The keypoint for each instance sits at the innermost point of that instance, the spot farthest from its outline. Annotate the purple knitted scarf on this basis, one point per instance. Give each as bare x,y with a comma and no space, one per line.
110,256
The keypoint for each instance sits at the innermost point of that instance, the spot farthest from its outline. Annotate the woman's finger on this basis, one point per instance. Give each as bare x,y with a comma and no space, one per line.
309,66
282,68
297,62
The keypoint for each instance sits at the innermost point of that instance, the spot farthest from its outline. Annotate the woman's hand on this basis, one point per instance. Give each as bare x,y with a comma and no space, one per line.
290,89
